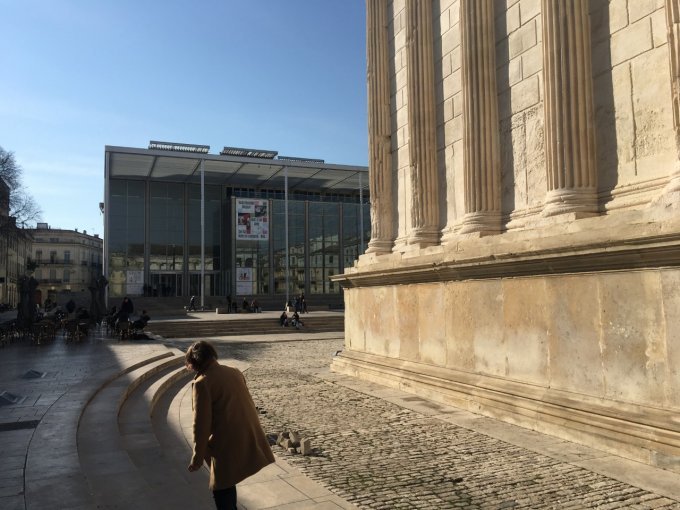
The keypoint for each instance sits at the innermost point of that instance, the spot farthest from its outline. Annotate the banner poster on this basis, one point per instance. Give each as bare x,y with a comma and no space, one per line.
135,283
252,220
244,281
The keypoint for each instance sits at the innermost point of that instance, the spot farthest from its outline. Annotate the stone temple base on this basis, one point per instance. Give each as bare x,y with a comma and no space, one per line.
642,433
573,330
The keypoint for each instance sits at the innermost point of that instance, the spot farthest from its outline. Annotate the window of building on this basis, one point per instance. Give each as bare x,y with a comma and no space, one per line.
67,257
53,257
67,275
38,255
53,275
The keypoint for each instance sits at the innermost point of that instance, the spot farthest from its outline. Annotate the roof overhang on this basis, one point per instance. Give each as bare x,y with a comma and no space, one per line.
242,172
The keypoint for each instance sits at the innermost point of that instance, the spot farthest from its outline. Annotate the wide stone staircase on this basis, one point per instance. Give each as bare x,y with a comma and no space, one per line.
119,438
112,442
246,324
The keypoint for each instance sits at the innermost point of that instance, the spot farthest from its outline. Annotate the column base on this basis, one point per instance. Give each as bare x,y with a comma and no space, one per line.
581,201
424,236
379,246
483,223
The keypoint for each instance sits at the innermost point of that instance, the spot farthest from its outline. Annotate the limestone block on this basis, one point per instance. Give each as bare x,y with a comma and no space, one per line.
534,128
306,446
670,283
451,84
510,74
444,69
615,129
431,334
525,94
529,9
659,29
631,41
478,328
456,201
457,105
448,109
642,8
618,15
354,321
532,61
525,319
507,20
522,39
574,333
455,58
454,12
654,135
402,117
381,320
407,321
451,39
633,337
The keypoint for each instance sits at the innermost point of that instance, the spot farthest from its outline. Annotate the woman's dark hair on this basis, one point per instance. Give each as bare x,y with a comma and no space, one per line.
200,354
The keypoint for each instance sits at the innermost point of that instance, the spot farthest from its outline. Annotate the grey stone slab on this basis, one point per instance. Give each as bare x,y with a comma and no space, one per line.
64,492
106,463
13,503
16,489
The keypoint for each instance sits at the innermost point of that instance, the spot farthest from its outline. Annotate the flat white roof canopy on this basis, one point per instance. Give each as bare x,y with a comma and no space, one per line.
230,170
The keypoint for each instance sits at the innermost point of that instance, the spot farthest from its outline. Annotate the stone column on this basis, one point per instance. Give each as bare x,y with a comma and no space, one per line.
379,127
421,124
569,118
673,31
481,146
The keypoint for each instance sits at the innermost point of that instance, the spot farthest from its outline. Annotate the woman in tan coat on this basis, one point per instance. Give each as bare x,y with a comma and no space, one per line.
227,430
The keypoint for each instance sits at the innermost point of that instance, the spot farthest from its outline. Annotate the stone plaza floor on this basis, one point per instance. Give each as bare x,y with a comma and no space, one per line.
373,447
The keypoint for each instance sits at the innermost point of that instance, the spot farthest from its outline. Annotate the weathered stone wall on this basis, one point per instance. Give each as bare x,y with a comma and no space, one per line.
526,251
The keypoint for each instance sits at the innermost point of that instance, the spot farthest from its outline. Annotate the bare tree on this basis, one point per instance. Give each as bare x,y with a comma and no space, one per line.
22,205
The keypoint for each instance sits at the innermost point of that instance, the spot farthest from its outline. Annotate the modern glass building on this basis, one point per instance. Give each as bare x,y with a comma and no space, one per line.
246,223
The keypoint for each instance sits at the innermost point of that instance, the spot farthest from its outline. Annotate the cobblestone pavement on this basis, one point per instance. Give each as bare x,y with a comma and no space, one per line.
376,454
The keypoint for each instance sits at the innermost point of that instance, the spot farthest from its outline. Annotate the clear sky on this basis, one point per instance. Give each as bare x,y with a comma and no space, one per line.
76,75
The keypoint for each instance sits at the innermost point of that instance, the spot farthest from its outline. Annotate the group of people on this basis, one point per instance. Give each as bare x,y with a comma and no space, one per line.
298,304
293,321
118,316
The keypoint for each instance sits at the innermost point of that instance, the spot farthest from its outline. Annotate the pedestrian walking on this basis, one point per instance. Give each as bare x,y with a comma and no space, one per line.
192,303
227,430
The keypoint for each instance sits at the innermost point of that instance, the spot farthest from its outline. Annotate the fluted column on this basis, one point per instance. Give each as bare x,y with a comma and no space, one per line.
379,127
421,124
481,149
673,32
569,118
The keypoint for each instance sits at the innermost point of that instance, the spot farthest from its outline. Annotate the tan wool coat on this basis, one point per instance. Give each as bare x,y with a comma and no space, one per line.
227,430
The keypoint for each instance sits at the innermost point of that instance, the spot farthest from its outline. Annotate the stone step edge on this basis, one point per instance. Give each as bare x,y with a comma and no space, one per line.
148,371
40,452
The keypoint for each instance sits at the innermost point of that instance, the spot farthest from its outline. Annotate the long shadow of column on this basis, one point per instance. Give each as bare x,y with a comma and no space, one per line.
505,124
603,96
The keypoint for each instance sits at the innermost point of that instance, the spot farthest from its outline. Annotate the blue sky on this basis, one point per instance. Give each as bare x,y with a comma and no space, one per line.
76,75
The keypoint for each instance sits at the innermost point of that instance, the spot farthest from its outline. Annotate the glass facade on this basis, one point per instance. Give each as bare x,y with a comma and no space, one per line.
166,238
154,240
125,235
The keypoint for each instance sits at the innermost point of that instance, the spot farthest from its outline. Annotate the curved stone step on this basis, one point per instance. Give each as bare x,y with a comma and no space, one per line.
113,437
53,474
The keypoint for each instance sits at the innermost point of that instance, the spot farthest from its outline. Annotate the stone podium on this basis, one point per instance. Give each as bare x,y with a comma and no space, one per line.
524,176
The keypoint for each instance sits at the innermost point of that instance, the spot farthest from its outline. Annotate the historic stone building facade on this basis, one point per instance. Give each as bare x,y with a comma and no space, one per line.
525,184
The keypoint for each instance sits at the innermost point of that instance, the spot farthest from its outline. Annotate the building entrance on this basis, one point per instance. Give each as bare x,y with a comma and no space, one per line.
166,284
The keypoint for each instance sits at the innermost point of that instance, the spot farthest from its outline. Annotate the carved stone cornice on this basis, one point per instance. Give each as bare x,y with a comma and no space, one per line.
424,229
481,146
627,241
569,111
379,127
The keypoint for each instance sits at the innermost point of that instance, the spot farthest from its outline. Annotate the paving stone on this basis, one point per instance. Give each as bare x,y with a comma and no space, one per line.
360,454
